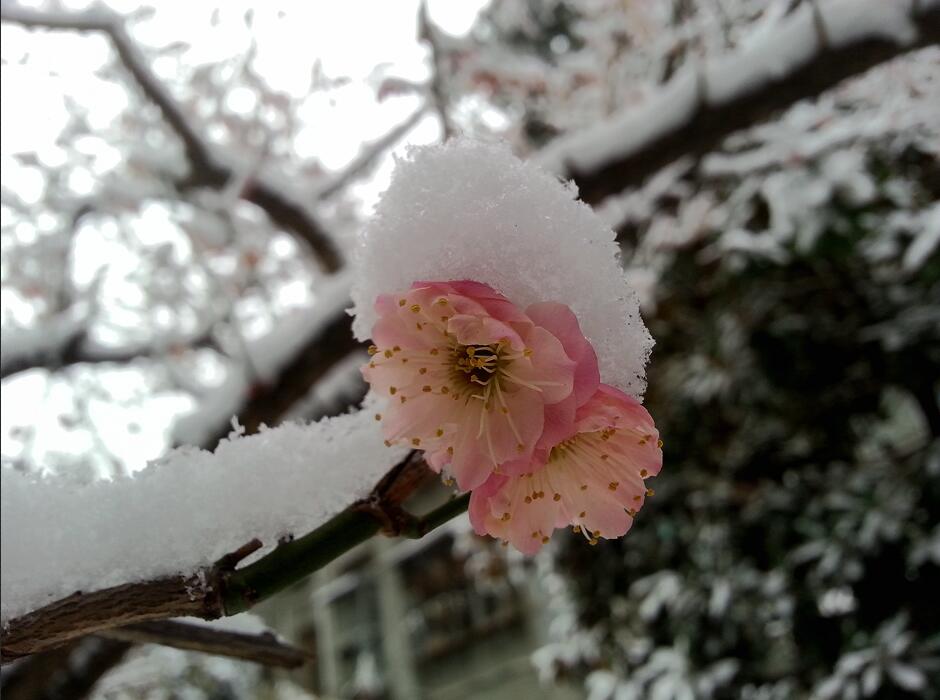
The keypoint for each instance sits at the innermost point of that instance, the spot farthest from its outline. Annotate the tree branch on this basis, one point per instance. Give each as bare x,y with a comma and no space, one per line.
428,33
206,169
268,403
222,590
369,154
261,648
70,671
77,352
696,110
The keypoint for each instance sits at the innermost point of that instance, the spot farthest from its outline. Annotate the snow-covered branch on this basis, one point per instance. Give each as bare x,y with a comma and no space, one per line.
155,573
207,169
819,45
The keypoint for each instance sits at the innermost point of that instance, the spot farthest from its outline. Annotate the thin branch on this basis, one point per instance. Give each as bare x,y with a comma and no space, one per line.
429,34
206,169
77,352
70,671
218,590
261,648
369,154
268,403
621,153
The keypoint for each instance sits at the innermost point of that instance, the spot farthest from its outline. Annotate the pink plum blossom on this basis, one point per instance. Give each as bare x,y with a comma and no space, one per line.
592,479
477,383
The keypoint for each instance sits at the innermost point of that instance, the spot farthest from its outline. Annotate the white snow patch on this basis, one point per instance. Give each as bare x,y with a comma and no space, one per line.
626,133
183,511
470,210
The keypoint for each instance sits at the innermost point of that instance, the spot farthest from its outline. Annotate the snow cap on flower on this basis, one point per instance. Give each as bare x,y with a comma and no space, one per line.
593,480
477,383
467,210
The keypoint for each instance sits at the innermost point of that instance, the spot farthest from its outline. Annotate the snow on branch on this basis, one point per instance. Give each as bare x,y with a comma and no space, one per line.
155,539
813,49
206,167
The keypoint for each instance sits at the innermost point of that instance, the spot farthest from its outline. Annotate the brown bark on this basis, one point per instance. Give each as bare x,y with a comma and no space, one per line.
86,613
260,648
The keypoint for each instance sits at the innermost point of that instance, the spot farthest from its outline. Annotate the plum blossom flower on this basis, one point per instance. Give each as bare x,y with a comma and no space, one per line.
592,479
477,383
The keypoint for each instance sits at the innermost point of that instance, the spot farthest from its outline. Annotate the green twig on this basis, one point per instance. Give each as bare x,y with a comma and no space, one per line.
419,527
292,561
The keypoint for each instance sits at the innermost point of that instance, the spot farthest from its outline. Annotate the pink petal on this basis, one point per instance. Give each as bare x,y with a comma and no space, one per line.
561,322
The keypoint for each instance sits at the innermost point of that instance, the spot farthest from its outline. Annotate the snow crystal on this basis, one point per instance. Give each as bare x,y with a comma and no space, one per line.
182,512
469,210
